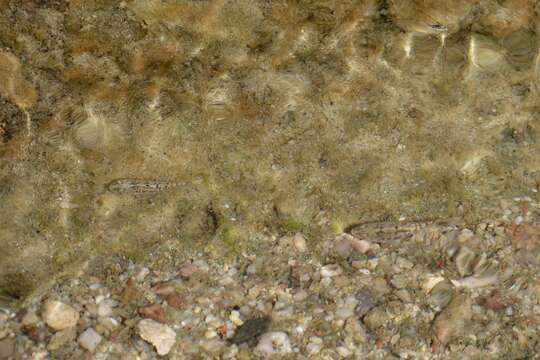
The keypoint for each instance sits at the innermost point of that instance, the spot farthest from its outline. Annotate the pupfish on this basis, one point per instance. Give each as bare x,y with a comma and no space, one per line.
139,186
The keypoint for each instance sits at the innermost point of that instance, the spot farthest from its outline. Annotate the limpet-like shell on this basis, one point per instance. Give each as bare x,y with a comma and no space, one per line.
453,55
422,50
520,48
465,261
486,54
441,294
95,131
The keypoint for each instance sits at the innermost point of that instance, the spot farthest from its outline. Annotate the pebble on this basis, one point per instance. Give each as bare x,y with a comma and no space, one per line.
343,351
313,348
366,301
188,269
30,318
272,344
299,242
453,320
142,274
7,348
176,301
331,270
346,308
159,335
235,318
164,288
89,339
250,330
345,245
105,308
155,312
59,316
353,327
61,338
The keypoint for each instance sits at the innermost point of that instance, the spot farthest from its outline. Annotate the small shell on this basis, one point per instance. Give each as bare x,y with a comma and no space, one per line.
441,294
422,51
331,270
520,48
454,54
430,282
486,54
465,261
94,131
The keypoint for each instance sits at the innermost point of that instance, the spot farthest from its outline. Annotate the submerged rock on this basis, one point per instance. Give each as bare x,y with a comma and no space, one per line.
7,348
89,339
159,335
250,330
59,316
273,343
61,338
453,320
366,301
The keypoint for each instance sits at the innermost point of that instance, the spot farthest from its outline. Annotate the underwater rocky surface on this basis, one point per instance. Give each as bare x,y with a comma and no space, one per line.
152,133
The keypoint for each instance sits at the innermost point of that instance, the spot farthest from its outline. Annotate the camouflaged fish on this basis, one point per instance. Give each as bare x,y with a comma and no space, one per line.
388,230
139,186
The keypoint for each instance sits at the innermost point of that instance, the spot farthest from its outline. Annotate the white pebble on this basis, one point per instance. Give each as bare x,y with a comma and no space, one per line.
343,351
314,346
273,343
331,270
159,335
105,308
235,318
89,339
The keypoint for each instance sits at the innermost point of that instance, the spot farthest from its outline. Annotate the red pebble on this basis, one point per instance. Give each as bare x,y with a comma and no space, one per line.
175,300
155,312
494,301
31,331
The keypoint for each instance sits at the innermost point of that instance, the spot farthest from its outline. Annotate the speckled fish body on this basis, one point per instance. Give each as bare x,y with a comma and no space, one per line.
138,186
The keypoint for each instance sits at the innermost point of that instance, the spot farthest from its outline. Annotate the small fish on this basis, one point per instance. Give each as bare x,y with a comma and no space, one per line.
388,229
138,186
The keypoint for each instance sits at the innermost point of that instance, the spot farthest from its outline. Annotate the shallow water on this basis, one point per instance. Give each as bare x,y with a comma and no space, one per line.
265,116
